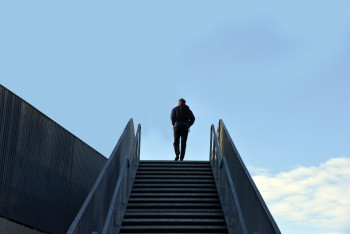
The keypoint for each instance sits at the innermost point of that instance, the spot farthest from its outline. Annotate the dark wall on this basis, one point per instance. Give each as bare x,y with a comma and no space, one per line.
7,226
93,215
45,171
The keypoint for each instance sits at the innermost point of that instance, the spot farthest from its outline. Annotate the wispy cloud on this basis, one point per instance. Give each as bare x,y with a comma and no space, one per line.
317,196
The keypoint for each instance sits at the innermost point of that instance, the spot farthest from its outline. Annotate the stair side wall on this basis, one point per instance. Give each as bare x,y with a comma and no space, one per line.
45,171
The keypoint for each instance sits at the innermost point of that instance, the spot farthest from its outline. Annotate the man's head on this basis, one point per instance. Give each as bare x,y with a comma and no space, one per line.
182,102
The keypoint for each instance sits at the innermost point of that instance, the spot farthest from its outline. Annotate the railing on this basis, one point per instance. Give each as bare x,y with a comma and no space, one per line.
123,188
226,189
105,205
244,208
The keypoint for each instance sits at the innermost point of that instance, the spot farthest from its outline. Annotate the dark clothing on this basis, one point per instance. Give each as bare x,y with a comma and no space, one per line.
176,122
180,131
181,127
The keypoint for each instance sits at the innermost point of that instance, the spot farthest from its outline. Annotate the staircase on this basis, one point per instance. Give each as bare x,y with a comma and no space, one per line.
166,196
174,197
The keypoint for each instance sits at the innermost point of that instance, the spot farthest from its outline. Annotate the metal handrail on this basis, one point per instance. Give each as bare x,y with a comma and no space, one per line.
236,154
233,180
228,199
125,180
94,212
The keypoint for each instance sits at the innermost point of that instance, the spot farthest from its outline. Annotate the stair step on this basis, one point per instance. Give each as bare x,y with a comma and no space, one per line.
175,210
157,205
182,177
174,229
175,164
142,168
172,221
170,162
175,173
173,195
174,190
189,166
178,181
167,200
182,215
174,186
173,161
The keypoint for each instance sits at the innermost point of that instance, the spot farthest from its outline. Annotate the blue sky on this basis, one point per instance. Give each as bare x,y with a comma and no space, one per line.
277,73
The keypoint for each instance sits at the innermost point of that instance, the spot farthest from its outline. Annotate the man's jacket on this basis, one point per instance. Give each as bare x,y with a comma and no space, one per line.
176,122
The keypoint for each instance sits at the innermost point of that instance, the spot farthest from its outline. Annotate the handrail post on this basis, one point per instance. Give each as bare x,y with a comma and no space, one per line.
211,144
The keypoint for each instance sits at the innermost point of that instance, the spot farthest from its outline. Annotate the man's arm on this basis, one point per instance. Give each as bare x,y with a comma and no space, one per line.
172,116
192,119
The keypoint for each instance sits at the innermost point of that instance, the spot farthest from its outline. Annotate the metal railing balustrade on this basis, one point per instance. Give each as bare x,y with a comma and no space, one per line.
103,208
243,206
123,188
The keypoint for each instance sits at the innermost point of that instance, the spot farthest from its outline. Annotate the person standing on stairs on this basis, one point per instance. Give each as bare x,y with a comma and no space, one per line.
182,119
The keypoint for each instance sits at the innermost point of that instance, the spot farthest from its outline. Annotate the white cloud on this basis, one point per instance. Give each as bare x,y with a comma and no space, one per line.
317,197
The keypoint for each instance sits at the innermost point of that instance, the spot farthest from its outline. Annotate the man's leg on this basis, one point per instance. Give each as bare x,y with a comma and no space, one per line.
184,134
176,142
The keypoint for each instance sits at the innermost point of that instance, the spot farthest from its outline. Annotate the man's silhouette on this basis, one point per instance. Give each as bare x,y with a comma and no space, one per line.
182,119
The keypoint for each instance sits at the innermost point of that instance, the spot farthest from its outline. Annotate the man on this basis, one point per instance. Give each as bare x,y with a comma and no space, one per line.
182,119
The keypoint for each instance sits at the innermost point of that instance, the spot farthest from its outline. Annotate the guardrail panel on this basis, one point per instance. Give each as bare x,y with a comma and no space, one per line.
92,215
248,203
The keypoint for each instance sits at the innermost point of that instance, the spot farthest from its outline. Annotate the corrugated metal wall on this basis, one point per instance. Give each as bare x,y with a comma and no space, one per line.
45,171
